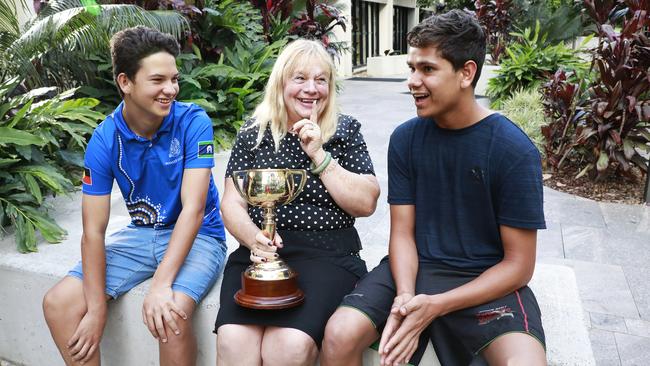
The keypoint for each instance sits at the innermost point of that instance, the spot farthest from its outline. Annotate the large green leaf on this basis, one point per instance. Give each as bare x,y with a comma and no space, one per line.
25,235
50,231
33,188
5,162
17,137
46,174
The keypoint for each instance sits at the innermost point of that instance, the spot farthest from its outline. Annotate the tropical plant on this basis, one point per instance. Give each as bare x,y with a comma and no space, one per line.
42,137
525,108
617,126
53,47
562,98
528,62
561,20
496,21
222,23
317,22
312,19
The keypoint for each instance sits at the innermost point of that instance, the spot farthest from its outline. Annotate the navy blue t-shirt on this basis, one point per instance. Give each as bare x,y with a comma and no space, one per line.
465,183
150,172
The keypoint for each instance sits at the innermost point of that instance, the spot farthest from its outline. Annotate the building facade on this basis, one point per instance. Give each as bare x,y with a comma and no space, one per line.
376,35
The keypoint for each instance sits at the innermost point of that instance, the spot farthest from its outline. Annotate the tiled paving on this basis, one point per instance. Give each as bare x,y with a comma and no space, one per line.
607,245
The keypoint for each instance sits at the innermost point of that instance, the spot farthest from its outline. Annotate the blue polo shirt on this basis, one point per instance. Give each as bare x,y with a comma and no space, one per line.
150,172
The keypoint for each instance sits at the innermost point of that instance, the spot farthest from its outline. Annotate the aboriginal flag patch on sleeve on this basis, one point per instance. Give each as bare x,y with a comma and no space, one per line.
87,178
206,149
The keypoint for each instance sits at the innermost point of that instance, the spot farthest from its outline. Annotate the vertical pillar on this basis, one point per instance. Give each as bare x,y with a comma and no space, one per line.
344,64
386,27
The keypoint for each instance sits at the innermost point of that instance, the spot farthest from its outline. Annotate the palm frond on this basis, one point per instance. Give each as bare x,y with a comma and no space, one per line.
9,28
67,27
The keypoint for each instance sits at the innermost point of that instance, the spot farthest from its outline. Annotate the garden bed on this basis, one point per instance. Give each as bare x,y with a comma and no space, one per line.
611,189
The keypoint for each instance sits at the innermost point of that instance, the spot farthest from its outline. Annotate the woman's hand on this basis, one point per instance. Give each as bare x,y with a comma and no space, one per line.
309,133
265,249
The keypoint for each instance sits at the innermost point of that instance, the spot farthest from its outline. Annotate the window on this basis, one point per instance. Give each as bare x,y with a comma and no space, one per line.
365,31
400,28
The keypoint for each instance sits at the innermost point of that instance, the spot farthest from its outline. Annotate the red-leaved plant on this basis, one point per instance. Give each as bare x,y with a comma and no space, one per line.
312,19
494,17
562,108
617,125
606,127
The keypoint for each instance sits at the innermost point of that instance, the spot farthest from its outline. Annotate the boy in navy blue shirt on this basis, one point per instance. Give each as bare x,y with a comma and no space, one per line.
160,153
465,194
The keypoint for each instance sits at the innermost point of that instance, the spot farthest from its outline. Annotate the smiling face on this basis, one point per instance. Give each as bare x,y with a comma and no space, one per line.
149,95
433,82
304,86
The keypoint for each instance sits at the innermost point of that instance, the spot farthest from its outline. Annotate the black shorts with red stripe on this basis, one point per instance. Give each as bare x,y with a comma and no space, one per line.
458,337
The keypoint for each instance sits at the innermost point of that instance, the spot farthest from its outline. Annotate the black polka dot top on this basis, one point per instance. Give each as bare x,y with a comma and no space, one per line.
314,209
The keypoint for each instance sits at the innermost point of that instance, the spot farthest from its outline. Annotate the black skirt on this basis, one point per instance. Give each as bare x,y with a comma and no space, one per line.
328,266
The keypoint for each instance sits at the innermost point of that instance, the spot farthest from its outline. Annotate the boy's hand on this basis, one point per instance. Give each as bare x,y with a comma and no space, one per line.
393,322
417,314
85,340
157,310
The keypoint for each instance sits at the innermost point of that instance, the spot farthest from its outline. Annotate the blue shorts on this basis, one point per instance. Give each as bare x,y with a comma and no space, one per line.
134,253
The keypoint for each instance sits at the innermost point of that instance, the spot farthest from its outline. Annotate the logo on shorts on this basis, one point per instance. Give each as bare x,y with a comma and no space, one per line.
487,316
87,178
174,148
206,149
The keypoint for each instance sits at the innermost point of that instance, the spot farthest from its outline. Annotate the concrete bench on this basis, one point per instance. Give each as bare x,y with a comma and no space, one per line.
25,339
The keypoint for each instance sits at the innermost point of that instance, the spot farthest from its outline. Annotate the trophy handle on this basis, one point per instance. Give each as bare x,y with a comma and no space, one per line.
295,191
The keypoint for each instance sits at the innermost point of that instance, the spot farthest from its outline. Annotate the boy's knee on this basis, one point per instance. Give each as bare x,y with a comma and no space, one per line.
345,332
56,303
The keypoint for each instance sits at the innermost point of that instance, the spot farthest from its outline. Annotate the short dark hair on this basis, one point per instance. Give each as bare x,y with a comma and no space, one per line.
131,45
457,35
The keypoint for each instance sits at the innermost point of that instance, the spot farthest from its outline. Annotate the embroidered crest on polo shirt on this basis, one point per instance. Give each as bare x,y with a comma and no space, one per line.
206,149
174,148
87,178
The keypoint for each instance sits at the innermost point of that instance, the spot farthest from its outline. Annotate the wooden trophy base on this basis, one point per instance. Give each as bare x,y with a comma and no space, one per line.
269,294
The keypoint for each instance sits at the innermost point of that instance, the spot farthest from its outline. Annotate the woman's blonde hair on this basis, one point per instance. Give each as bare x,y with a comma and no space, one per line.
297,55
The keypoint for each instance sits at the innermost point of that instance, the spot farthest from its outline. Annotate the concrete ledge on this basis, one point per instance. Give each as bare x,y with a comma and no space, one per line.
25,339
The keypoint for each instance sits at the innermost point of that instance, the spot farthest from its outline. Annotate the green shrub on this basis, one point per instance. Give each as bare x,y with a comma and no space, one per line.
41,147
525,108
561,20
528,62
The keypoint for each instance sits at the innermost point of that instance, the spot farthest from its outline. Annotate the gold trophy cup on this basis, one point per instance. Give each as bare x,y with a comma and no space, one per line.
271,284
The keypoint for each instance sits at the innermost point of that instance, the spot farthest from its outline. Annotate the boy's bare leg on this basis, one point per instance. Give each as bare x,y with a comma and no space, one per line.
180,349
347,334
515,349
64,306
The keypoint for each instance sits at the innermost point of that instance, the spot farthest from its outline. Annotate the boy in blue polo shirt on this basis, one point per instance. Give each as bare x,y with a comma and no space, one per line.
160,152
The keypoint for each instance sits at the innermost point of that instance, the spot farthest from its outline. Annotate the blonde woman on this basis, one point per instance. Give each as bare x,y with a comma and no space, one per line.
296,126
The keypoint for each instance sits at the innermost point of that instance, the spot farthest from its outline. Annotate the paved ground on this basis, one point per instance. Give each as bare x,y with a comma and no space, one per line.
608,245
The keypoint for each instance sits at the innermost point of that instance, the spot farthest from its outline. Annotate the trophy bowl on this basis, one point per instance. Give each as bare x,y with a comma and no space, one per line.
272,284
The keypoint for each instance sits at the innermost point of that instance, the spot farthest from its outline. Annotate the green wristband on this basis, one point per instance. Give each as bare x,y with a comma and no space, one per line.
317,170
